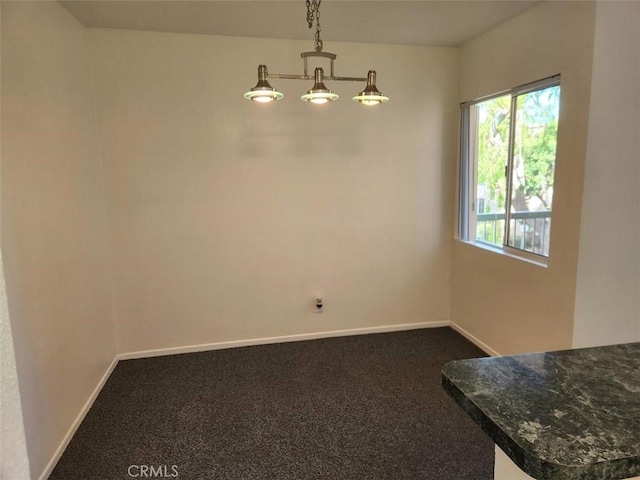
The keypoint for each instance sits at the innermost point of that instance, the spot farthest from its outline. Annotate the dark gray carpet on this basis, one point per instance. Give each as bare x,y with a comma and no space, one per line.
366,407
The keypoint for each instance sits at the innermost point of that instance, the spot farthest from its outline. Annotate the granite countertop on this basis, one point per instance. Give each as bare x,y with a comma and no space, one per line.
572,414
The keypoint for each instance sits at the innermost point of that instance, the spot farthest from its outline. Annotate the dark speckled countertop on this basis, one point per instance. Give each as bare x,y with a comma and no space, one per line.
567,415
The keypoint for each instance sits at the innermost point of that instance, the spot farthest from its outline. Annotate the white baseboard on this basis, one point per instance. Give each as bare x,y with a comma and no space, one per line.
281,339
76,423
478,343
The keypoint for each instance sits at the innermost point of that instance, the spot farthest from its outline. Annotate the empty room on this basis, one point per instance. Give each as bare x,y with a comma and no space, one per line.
350,240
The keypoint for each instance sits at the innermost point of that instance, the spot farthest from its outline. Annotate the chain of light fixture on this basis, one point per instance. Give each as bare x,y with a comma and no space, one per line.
313,14
263,92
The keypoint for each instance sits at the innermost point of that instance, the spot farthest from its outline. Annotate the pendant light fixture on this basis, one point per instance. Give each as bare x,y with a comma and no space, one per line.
263,92
319,93
370,95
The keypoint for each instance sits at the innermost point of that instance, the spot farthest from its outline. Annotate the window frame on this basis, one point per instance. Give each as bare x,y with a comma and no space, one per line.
467,178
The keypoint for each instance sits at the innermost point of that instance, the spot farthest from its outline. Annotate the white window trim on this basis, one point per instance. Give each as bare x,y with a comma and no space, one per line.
467,183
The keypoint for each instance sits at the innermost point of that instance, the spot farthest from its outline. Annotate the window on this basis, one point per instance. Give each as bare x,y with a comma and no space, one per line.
508,156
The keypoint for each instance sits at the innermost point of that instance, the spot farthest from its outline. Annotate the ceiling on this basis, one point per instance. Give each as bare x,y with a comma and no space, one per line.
434,23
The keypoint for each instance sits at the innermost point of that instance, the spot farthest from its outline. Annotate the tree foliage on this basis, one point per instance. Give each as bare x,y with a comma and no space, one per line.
493,148
534,152
535,130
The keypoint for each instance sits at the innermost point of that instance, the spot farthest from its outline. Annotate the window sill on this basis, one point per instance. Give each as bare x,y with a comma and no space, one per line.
531,258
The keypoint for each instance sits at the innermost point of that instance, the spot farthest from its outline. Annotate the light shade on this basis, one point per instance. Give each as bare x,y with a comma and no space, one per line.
263,92
319,93
370,95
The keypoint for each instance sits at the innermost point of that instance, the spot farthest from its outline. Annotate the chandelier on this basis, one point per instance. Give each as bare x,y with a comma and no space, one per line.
263,92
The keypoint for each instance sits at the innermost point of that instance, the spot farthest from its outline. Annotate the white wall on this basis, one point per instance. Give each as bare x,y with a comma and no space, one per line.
228,217
511,305
54,235
607,308
14,462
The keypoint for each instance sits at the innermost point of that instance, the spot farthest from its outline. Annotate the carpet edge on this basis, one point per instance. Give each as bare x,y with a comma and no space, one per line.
280,339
